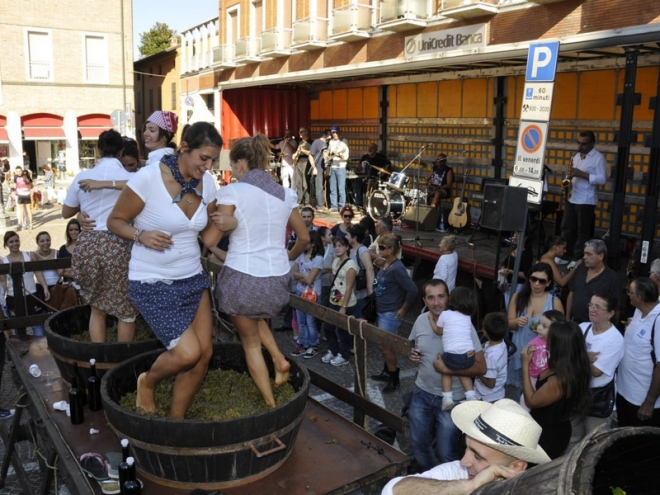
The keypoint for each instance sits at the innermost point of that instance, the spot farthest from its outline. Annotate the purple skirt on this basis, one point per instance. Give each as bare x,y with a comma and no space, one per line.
255,297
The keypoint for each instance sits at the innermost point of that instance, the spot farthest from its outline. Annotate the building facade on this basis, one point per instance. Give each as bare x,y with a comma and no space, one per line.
64,70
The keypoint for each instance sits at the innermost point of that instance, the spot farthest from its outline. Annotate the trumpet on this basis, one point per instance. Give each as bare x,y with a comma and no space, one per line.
567,183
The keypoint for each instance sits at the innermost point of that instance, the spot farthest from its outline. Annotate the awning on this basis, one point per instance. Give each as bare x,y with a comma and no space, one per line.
3,131
43,126
91,126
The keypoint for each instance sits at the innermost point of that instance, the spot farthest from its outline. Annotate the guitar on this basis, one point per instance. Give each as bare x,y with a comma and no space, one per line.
459,216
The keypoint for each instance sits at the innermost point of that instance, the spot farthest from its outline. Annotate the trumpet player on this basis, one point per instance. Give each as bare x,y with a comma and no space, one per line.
286,147
588,170
336,156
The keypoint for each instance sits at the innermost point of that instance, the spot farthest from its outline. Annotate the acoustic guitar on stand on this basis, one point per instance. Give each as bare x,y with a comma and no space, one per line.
459,216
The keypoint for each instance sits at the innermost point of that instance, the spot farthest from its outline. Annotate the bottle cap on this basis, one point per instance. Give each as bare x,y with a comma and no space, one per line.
124,442
130,461
92,361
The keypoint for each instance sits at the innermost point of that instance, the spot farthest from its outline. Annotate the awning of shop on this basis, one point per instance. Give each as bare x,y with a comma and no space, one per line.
91,126
3,131
42,126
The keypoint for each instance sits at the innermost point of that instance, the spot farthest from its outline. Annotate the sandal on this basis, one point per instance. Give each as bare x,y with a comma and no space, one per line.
95,466
109,486
114,459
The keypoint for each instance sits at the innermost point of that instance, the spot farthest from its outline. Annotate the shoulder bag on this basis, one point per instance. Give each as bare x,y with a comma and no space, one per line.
361,277
602,398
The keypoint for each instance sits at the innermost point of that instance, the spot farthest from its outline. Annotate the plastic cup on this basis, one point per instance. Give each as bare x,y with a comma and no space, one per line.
35,371
48,378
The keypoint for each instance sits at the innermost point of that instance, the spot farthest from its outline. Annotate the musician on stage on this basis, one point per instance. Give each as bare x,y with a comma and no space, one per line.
373,157
287,147
316,160
336,156
441,180
302,171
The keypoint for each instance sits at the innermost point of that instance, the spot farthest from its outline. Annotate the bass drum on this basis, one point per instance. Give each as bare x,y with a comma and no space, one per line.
386,203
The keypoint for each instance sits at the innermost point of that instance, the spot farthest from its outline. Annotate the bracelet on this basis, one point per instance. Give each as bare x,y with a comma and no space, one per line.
114,184
136,236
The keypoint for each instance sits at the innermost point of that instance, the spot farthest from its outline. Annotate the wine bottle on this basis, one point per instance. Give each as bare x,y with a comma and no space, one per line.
132,485
83,393
93,388
123,465
75,402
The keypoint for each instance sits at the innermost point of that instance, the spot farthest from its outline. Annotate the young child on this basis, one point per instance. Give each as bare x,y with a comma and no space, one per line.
454,324
489,387
307,272
539,362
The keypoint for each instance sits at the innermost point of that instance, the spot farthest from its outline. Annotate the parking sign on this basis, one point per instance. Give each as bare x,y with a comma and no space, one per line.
542,61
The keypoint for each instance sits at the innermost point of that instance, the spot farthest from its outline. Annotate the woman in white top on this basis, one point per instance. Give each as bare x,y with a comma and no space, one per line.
100,261
162,211
159,129
33,306
447,265
255,280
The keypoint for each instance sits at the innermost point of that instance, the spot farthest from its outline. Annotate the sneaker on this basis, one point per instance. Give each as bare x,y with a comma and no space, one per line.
447,403
338,360
311,352
6,413
298,351
329,356
471,397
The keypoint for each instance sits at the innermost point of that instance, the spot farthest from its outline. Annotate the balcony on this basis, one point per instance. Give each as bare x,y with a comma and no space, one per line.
40,71
276,42
351,22
96,74
246,50
403,15
223,57
310,33
468,9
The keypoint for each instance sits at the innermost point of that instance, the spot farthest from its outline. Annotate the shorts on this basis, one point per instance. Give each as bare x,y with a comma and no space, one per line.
23,200
457,362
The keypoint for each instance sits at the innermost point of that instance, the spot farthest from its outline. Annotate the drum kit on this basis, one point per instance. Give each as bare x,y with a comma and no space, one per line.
393,197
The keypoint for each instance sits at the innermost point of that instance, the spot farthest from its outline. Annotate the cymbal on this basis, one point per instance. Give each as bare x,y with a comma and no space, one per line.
381,170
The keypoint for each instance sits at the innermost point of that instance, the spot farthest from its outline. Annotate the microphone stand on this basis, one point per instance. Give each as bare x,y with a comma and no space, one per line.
417,239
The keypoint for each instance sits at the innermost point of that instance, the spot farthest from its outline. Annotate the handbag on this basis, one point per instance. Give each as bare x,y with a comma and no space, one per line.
63,295
370,310
361,277
309,294
602,401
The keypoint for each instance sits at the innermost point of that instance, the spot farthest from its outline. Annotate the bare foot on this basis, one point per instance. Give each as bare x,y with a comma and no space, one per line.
281,372
145,396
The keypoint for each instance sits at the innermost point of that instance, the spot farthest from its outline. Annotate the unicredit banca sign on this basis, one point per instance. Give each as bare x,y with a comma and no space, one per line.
463,38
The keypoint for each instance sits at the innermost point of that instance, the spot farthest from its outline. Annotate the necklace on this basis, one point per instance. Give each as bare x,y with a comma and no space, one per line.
189,201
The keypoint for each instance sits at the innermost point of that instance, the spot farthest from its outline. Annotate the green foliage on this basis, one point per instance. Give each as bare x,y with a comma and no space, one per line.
156,39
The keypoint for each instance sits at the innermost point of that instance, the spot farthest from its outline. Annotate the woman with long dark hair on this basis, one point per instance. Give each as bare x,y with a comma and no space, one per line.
524,314
562,390
557,249
66,250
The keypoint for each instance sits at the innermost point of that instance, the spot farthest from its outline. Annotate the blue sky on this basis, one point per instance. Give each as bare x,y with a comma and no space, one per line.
176,14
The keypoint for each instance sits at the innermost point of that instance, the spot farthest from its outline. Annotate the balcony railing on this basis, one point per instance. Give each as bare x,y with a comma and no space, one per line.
40,71
276,42
403,9
351,22
247,49
310,33
467,9
96,74
223,56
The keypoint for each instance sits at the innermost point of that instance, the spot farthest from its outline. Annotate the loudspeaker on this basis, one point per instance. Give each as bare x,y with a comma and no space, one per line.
427,217
505,207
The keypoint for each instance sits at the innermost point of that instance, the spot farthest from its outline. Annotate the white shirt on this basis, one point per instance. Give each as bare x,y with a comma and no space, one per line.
446,269
449,471
288,151
97,203
155,157
306,267
585,192
340,151
611,346
257,247
496,364
182,260
456,327
636,368
29,285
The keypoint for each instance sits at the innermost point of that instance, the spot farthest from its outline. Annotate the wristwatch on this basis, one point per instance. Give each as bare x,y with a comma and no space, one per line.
114,184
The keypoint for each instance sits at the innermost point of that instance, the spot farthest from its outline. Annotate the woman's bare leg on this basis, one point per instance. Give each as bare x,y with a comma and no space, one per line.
97,328
248,330
280,363
125,331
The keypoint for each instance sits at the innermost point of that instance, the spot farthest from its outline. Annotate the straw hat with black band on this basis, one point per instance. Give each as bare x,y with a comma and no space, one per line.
504,426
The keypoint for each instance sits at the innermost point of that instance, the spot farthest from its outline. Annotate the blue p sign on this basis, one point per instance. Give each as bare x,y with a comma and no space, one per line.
542,62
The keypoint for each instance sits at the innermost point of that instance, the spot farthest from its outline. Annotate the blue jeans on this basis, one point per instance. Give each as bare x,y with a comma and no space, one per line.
426,422
389,322
309,335
337,184
339,340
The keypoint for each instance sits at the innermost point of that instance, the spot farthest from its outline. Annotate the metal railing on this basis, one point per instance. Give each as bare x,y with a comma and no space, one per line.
275,39
40,71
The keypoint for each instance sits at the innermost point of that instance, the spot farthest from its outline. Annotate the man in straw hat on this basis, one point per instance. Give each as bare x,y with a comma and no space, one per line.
502,439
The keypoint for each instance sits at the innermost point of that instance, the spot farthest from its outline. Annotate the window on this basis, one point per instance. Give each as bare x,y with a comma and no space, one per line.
151,101
39,50
174,96
138,102
96,59
159,97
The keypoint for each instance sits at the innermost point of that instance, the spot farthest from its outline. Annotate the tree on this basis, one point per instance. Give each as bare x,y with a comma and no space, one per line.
156,39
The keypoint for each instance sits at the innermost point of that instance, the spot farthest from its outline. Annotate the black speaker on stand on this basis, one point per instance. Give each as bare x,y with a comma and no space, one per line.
505,207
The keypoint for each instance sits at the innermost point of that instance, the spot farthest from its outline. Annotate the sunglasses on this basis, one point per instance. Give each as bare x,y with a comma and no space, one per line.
348,216
383,248
537,280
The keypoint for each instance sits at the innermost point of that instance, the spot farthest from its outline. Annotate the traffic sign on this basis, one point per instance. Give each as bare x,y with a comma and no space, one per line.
537,101
530,151
542,61
534,188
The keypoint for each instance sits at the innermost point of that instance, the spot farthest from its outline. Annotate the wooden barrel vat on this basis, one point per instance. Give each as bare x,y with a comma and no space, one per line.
208,454
625,458
66,351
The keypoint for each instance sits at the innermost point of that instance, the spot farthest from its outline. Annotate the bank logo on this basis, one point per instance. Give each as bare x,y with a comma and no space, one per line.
446,40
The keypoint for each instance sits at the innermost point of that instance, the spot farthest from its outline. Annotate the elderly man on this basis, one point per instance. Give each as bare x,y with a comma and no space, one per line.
654,272
425,415
501,439
590,277
638,379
